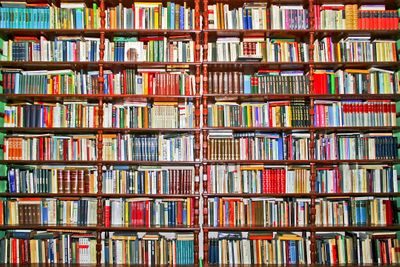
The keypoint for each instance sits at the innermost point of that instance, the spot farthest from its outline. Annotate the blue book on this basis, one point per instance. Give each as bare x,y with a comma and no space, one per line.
79,19
172,16
280,148
11,179
292,252
184,214
249,20
181,17
45,213
245,15
247,84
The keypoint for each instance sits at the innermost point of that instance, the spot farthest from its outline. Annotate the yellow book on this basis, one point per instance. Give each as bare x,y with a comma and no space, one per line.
289,237
156,17
146,184
145,83
126,219
252,168
338,54
188,206
358,71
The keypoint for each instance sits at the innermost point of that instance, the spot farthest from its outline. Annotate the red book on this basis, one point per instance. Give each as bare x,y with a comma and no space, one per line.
41,156
147,204
177,85
192,211
389,212
14,250
179,215
107,211
264,182
187,85
283,181
334,254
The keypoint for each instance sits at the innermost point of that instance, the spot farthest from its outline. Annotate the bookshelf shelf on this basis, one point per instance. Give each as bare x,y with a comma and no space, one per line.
95,64
49,227
149,163
299,129
103,195
266,97
304,228
256,228
301,195
93,97
67,195
301,162
367,65
151,229
95,130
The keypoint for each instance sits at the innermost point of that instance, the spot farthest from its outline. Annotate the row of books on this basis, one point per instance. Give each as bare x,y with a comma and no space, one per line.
262,82
355,211
259,146
355,49
356,178
52,247
49,115
174,147
237,179
257,16
51,179
273,212
84,147
48,211
250,248
257,49
150,15
294,248
348,81
61,49
77,15
50,147
148,180
149,82
357,248
78,48
354,17
144,115
129,81
148,248
353,146
30,247
240,179
356,81
18,81
23,15
269,114
267,212
149,212
354,113
86,115
295,146
150,49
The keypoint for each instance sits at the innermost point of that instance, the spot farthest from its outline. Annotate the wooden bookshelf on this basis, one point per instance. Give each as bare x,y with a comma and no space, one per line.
250,67
201,67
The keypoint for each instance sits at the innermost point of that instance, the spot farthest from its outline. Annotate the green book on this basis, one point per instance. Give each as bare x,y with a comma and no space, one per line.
3,170
95,22
125,39
168,15
3,186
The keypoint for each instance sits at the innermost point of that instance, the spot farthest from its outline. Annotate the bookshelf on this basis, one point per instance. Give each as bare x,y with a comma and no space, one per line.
85,105
201,74
233,183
